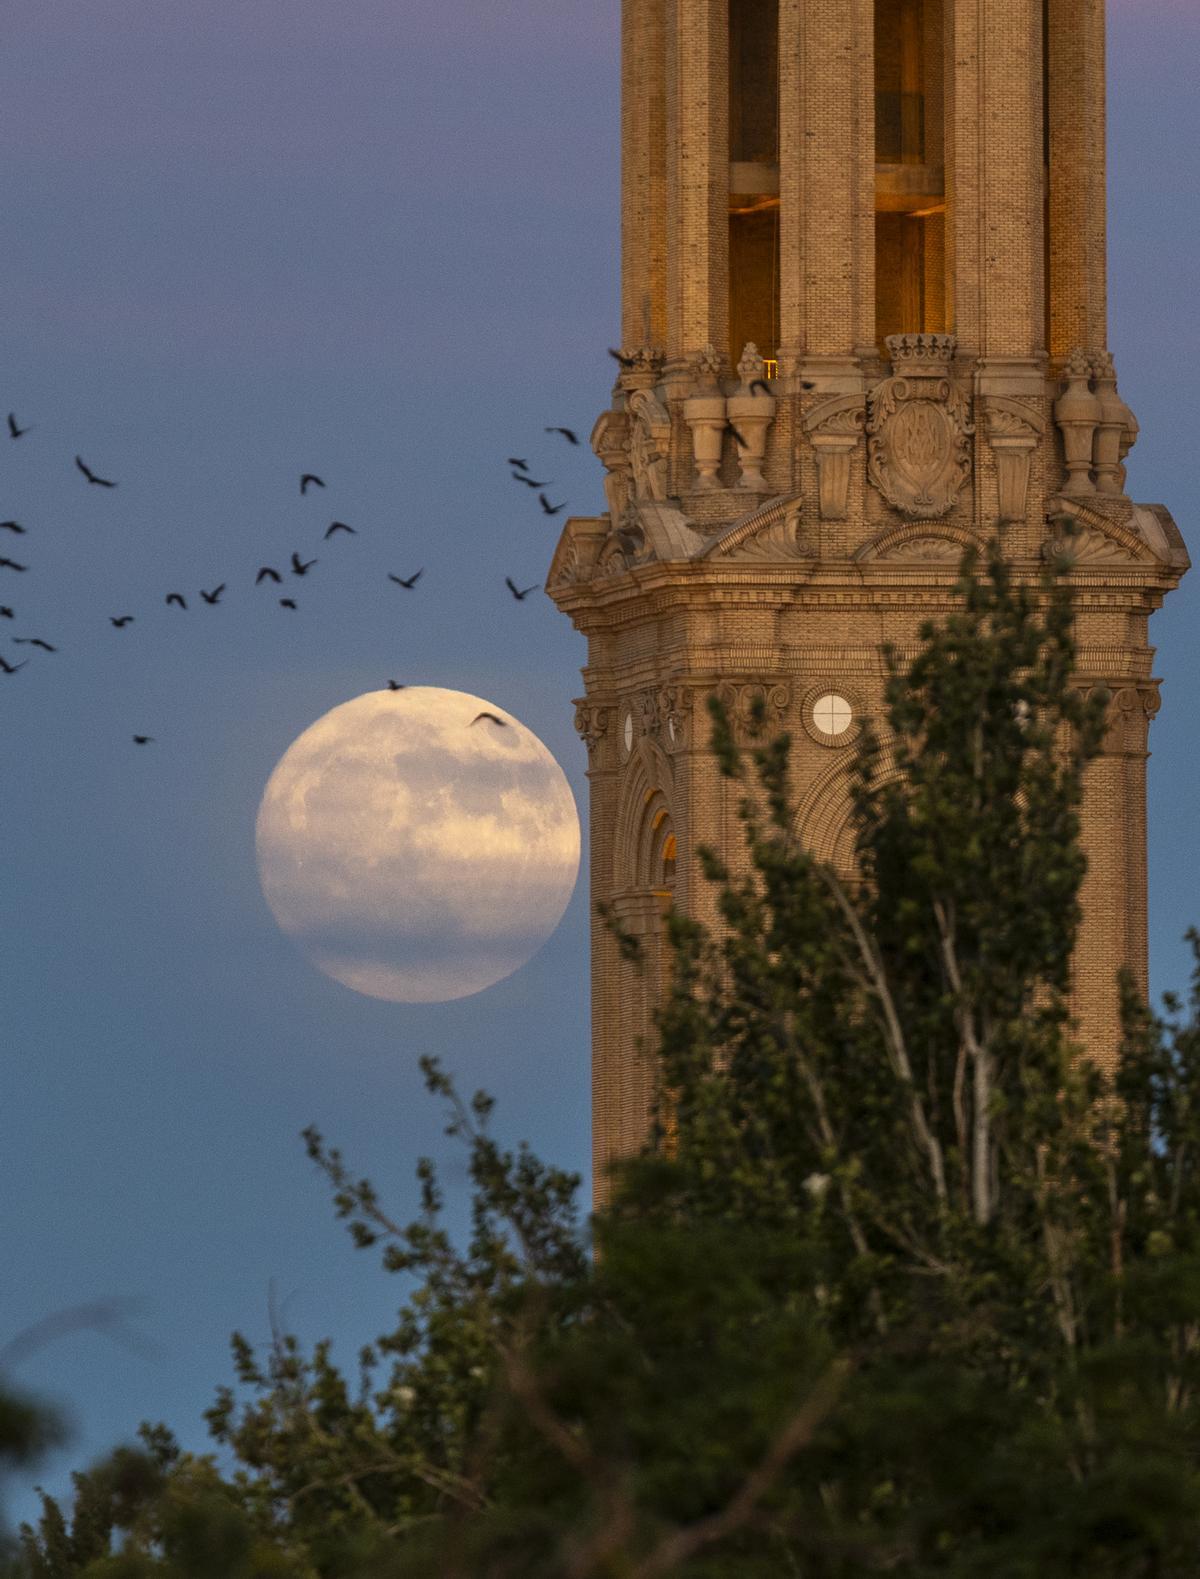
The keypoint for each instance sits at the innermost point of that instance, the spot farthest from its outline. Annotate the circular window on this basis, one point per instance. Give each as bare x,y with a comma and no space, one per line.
832,714
627,733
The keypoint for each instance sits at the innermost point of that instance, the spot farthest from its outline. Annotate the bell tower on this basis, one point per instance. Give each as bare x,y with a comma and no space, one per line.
864,325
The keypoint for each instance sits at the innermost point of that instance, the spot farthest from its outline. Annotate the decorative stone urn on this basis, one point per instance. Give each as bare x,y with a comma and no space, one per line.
1115,431
751,412
704,413
1077,412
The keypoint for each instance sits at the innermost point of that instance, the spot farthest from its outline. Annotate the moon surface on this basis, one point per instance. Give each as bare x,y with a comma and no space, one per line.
412,854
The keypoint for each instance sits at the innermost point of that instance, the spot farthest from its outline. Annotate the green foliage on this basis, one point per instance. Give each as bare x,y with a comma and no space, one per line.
901,1285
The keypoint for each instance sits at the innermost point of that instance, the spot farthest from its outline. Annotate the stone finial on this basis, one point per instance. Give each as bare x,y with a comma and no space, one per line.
750,368
1116,431
707,368
1077,412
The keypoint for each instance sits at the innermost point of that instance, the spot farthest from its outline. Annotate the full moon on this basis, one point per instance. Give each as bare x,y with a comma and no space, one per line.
414,851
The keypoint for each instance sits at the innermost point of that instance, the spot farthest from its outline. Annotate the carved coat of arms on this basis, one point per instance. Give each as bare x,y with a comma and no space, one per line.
919,428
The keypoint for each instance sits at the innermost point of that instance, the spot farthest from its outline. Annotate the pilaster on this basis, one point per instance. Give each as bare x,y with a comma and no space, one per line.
1077,200
697,118
643,173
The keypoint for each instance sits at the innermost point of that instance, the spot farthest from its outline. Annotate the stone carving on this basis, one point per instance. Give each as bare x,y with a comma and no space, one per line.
591,723
1077,412
675,706
772,533
742,699
640,367
750,414
834,428
919,428
649,444
1013,431
1116,431
935,550
623,548
1085,545
610,440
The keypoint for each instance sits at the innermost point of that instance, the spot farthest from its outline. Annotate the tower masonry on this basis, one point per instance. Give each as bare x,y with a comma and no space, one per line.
863,326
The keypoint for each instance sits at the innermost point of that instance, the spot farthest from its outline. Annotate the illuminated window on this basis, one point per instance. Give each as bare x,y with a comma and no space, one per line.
668,861
753,175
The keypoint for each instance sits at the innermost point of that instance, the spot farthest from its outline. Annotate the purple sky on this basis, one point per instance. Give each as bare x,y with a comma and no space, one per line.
245,239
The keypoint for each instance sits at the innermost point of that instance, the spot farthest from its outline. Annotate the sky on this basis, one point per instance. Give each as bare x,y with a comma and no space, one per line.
378,241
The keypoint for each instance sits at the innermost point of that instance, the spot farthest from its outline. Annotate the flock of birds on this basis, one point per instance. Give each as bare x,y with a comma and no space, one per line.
297,568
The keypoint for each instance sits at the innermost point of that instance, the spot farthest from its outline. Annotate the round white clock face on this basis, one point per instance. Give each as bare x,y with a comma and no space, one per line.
832,714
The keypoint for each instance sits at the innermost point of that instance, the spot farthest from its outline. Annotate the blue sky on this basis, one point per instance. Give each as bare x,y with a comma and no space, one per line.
248,238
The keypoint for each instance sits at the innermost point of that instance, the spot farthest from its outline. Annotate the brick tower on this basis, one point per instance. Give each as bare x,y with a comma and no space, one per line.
864,320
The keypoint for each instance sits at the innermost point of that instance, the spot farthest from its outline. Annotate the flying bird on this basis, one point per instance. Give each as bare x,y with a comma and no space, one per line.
394,685
214,596
11,564
738,439
14,432
491,718
6,613
516,591
100,482
176,597
410,583
621,359
12,526
11,668
528,481
287,603
309,477
567,434
337,526
301,567
759,383
119,621
34,641
266,573
521,465
548,508
142,740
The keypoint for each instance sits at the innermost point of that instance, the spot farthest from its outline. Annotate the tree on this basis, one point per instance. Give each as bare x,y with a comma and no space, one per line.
902,1284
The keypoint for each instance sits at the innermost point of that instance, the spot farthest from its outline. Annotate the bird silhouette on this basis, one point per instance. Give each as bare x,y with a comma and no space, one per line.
759,383
142,740
408,584
514,460
567,434
516,591
99,482
337,526
529,482
12,526
394,685
6,613
619,357
309,477
15,432
119,621
176,597
287,603
267,573
738,439
33,641
548,508
214,596
11,668
491,718
11,564
301,567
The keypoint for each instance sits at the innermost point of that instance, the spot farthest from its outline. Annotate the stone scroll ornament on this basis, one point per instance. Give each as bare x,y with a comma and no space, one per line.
919,428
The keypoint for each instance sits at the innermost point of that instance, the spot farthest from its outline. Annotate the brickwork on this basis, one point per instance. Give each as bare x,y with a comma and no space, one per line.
779,572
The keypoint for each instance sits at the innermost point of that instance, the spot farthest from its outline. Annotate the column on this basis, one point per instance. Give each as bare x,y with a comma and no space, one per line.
1077,264
643,173
697,116
827,183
